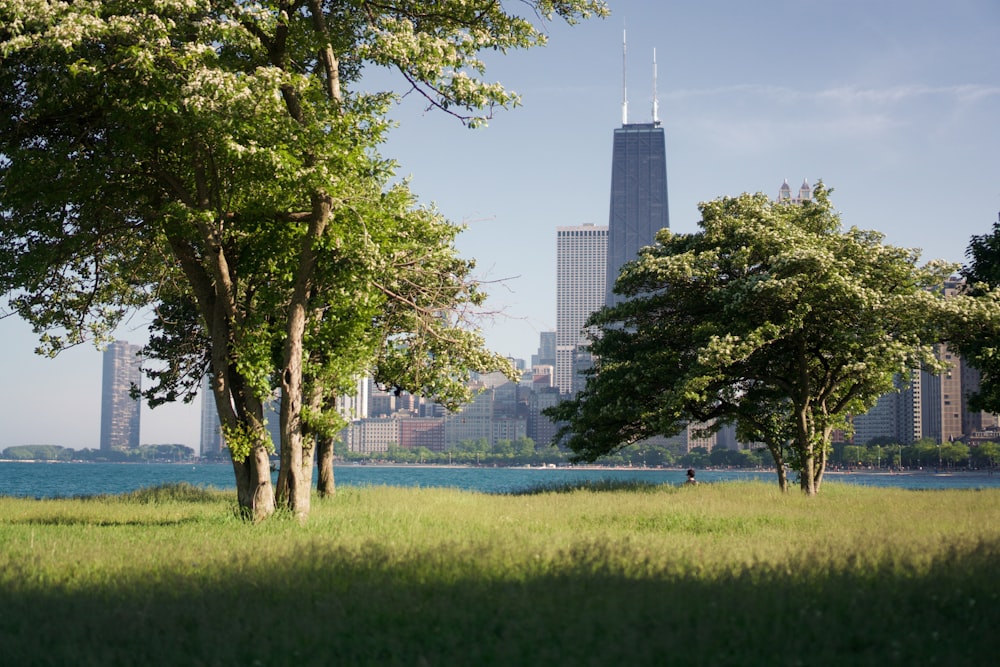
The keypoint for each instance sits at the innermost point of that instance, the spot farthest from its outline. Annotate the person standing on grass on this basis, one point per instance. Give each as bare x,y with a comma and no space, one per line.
691,480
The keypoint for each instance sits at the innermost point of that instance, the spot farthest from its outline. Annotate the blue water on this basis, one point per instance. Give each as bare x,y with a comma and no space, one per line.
52,480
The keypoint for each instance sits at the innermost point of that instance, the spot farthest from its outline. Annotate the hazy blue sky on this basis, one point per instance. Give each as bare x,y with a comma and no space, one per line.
893,103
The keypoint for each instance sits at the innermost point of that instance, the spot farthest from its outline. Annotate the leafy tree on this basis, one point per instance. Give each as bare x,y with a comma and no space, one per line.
217,160
955,453
723,456
771,318
924,452
524,447
38,453
698,457
504,449
978,342
854,455
481,445
986,454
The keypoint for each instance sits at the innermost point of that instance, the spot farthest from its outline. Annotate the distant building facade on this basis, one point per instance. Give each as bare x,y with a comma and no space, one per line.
546,355
930,406
581,262
785,195
639,207
426,432
211,429
119,411
895,417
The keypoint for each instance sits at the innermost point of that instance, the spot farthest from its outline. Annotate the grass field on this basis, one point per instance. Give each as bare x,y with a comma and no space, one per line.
720,574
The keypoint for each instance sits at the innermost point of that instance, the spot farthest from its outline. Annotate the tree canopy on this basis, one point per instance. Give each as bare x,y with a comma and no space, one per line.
771,318
218,160
980,344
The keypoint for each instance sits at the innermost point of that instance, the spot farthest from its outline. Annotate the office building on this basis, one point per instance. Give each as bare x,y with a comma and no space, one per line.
546,355
354,406
588,257
473,422
119,411
211,429
540,428
374,434
974,421
426,432
895,416
639,207
581,261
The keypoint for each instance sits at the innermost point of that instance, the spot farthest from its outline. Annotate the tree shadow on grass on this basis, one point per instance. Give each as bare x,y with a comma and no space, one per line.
375,608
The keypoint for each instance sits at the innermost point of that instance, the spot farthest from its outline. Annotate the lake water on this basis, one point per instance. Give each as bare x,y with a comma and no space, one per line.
52,480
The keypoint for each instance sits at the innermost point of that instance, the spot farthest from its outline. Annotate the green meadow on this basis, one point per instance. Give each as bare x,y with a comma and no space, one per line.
719,574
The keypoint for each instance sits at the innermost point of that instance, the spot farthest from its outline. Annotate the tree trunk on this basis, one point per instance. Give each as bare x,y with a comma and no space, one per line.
296,458
779,464
823,455
254,491
324,447
294,481
240,412
262,497
782,478
295,476
807,476
324,461
804,444
209,276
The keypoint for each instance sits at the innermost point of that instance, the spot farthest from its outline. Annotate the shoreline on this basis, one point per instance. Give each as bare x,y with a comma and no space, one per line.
923,472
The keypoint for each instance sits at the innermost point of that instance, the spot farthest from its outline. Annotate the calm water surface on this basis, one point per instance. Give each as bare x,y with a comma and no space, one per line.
53,480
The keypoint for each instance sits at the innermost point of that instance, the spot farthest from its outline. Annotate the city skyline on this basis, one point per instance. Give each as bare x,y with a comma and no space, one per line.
893,109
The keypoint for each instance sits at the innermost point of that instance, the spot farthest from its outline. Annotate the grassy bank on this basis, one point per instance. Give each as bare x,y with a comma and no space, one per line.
719,574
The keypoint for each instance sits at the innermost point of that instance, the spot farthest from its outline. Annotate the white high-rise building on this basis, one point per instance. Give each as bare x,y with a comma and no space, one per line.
119,411
354,407
581,273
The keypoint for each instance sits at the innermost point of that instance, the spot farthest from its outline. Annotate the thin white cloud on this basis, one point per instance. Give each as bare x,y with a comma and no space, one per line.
846,95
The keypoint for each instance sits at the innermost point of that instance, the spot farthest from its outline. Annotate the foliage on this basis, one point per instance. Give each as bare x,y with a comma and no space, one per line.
38,453
864,576
143,453
978,343
771,318
925,453
524,452
218,160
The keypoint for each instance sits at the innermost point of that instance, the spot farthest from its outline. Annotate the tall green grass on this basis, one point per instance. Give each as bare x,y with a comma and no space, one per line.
718,574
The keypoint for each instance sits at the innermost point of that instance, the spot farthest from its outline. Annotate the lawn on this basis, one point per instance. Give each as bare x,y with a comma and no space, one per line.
719,574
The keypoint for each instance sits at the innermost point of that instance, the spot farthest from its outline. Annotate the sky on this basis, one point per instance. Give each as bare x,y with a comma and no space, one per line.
895,104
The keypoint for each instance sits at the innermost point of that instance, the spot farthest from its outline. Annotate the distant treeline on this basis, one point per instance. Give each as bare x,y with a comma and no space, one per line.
141,454
524,451
923,454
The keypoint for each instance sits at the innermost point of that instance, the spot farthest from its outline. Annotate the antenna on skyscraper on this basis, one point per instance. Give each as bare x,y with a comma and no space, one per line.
656,104
624,79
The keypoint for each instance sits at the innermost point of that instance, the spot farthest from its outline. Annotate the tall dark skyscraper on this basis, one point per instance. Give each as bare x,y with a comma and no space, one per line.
638,188
119,411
